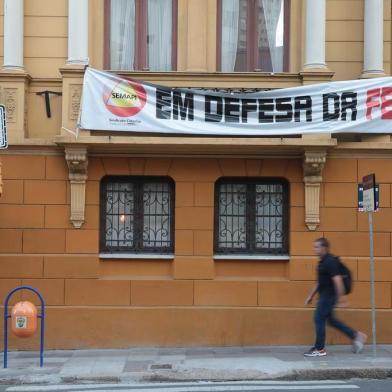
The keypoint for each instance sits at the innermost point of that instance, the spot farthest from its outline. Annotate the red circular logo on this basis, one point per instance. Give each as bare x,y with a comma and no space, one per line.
125,99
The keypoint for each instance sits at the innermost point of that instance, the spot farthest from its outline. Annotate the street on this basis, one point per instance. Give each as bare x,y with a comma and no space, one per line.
242,386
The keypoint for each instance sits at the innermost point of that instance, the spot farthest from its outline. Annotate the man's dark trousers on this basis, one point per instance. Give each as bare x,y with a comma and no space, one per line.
324,312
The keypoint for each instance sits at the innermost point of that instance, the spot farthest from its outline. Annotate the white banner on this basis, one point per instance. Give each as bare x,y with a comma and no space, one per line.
113,103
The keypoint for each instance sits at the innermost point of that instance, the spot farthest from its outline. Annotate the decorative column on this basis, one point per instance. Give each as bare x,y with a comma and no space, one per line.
315,34
13,34
14,81
77,32
73,72
313,164
373,65
77,165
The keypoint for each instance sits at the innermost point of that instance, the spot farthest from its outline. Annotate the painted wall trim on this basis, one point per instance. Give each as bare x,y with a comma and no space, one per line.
251,257
144,256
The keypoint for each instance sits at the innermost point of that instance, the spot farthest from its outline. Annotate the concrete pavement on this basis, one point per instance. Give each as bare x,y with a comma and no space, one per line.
194,364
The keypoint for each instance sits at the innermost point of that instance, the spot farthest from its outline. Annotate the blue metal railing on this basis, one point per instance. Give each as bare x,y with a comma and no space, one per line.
7,316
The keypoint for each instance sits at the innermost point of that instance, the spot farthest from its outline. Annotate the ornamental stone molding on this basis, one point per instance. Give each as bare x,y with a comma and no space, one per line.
77,165
14,92
10,96
72,85
313,164
75,95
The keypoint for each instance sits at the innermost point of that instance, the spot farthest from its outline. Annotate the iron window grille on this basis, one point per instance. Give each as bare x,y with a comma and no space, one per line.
137,215
251,216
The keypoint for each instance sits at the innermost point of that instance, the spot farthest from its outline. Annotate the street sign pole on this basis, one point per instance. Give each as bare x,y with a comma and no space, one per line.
372,288
369,205
3,138
3,128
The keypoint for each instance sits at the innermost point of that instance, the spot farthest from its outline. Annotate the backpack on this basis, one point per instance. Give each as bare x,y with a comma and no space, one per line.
346,276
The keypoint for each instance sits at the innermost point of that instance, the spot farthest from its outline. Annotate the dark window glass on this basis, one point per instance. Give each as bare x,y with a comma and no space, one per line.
251,216
141,35
137,215
253,35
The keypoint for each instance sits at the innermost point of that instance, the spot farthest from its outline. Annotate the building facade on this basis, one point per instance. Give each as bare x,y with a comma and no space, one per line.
150,239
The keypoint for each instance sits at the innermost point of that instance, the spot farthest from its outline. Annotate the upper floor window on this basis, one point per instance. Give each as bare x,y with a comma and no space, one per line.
253,35
137,215
251,216
141,35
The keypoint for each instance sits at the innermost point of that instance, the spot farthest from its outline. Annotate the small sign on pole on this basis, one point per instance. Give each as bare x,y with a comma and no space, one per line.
360,197
369,193
369,206
3,128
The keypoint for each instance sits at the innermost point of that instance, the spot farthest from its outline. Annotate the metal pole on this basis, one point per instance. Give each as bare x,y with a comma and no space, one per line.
372,289
5,362
42,317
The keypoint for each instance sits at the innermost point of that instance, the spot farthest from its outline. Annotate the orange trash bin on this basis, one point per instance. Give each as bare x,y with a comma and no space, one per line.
24,319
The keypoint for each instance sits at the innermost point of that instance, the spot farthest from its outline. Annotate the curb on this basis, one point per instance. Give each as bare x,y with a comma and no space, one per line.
296,375
337,374
222,376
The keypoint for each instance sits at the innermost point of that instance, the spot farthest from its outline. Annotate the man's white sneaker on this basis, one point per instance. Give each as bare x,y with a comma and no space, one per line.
313,352
359,342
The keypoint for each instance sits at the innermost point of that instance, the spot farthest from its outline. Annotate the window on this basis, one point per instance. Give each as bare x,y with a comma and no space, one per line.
253,35
137,215
251,216
141,35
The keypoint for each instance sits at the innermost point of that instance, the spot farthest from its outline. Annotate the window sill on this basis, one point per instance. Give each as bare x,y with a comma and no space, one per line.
251,257
136,256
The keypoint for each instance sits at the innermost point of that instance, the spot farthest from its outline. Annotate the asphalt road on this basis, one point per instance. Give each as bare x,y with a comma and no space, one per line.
265,386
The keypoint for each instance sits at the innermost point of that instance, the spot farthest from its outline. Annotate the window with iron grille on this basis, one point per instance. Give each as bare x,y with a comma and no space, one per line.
137,215
251,216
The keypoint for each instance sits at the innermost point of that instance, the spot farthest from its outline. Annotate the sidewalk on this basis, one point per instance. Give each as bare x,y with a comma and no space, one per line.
194,364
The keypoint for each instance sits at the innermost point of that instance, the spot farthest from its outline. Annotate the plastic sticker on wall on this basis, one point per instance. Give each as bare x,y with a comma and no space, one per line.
21,322
3,128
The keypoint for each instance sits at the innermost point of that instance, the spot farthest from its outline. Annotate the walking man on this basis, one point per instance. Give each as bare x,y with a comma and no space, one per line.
330,288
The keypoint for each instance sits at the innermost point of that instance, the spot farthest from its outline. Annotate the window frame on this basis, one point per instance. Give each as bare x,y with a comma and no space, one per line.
251,249
137,250
141,36
251,34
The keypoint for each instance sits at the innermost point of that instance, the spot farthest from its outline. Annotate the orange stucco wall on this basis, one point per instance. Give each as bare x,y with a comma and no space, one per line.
191,300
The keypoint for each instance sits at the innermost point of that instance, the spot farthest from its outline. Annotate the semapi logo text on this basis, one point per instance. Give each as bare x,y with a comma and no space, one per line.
125,99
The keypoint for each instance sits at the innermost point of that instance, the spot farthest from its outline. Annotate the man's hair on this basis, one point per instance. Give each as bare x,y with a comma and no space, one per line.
323,242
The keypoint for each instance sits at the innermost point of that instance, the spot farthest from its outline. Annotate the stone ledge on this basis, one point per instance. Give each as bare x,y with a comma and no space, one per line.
200,146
